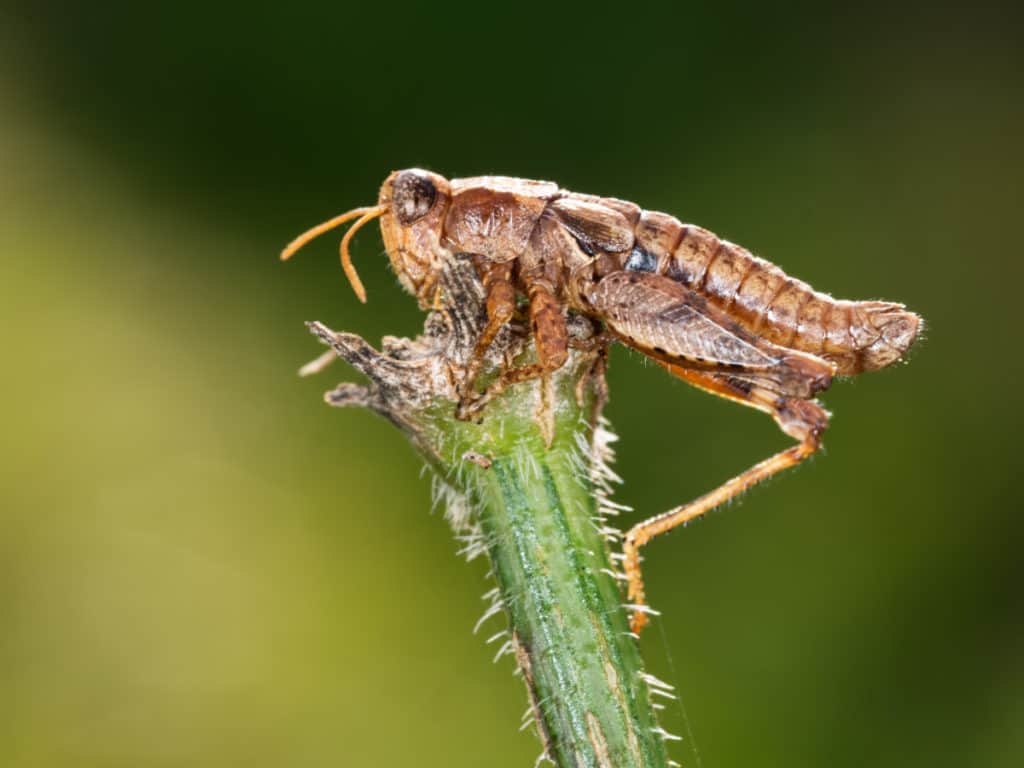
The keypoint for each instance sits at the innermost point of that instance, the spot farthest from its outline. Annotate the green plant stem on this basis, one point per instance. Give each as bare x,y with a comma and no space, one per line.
525,486
538,513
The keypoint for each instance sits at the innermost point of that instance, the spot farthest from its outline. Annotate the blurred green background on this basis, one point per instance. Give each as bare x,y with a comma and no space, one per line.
201,564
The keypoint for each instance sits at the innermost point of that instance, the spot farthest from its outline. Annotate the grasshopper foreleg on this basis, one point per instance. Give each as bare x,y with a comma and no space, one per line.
551,338
501,305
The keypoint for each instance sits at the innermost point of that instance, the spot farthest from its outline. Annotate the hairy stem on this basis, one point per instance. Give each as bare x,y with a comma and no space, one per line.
526,487
541,524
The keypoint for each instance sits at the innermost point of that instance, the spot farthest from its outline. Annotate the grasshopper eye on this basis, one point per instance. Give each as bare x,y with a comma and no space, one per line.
414,196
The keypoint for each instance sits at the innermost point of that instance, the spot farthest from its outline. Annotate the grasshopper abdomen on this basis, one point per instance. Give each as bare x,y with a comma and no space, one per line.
856,336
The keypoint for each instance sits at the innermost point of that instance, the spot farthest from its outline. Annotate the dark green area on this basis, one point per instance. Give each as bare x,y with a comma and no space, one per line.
202,564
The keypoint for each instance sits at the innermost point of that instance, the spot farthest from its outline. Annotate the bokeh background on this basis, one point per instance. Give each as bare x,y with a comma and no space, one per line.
203,565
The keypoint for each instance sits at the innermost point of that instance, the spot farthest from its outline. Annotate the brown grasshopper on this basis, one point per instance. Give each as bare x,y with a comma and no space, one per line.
706,310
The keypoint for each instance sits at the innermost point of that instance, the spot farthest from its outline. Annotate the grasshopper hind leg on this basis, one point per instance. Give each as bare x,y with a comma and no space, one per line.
803,420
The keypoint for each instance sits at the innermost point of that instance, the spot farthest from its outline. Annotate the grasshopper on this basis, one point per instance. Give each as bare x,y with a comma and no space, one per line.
706,310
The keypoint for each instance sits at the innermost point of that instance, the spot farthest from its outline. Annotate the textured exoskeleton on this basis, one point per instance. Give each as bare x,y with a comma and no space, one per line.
706,310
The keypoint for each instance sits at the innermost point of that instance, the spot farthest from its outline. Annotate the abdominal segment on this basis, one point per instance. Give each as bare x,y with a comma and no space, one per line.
855,335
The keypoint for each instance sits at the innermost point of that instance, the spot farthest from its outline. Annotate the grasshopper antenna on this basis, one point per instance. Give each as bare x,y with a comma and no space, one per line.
363,216
346,260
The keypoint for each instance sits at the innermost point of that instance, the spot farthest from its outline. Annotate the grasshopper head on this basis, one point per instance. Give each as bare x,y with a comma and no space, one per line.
411,208
415,203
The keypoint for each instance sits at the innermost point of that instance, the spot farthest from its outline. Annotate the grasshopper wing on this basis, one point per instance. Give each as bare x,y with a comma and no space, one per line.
597,227
670,323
